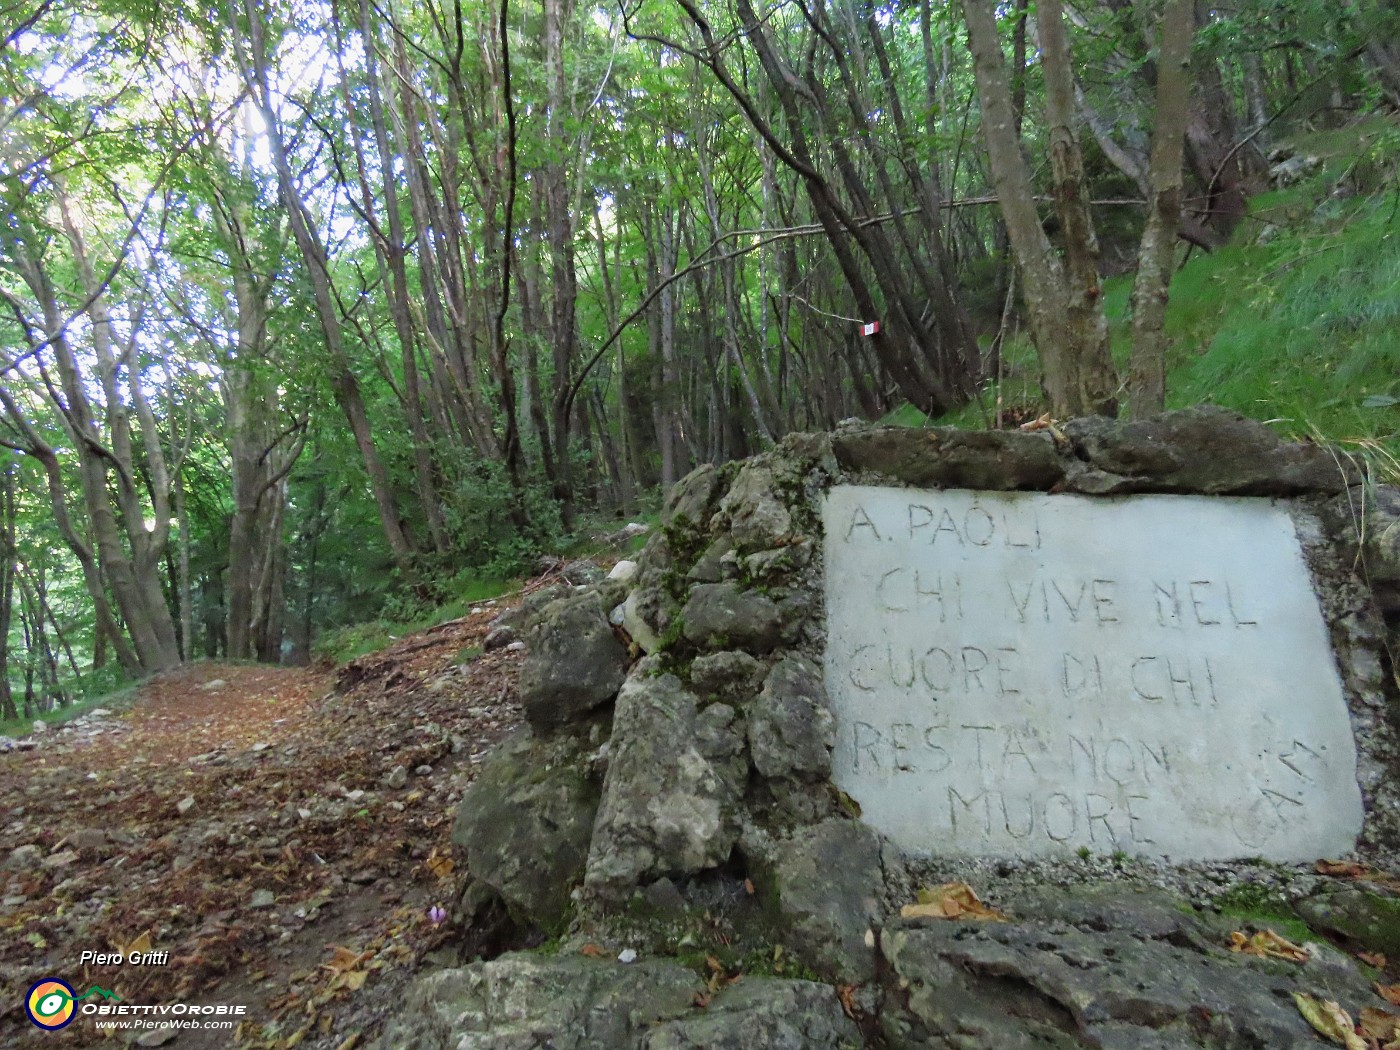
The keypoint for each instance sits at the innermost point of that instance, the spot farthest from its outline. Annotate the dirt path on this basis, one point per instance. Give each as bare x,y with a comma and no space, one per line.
281,833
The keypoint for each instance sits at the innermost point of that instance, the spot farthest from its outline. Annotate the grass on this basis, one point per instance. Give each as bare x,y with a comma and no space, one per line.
1296,322
343,644
1259,907
118,699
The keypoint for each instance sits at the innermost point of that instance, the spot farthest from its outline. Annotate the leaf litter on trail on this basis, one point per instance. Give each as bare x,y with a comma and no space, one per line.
952,900
1268,945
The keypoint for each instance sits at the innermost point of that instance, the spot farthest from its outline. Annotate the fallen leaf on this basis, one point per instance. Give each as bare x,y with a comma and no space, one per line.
352,980
1329,1020
952,900
1389,992
700,1000
36,940
1341,869
141,944
748,887
1380,1025
847,994
1375,959
440,866
343,960
591,950
1268,945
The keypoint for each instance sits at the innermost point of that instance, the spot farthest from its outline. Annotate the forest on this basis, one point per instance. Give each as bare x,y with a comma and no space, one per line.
326,310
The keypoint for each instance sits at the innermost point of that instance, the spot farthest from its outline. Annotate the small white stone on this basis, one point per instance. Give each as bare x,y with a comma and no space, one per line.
515,647
627,955
623,570
185,804
212,684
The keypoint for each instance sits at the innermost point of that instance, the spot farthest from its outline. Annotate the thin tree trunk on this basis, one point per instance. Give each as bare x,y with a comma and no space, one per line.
1147,368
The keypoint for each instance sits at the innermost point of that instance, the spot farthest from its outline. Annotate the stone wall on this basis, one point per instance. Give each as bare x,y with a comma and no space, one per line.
673,790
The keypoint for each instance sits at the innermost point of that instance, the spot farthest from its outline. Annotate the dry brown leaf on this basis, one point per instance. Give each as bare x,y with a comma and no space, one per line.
440,866
1268,945
847,994
1329,1020
591,950
343,960
952,900
1041,423
1380,1025
352,980
1342,869
700,1000
1375,959
141,944
748,887
1389,992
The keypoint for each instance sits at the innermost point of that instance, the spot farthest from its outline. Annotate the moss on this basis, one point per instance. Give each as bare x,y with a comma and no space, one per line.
1258,906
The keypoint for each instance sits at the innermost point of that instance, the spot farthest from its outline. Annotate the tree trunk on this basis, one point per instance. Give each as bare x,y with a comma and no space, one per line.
1156,254
1078,379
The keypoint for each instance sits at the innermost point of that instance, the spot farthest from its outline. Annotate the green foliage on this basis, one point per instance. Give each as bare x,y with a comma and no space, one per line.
405,615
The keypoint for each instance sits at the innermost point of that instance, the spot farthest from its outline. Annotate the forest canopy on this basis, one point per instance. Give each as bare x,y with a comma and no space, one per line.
324,309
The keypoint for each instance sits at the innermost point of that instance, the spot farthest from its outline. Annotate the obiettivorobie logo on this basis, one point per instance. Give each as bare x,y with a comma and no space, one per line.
51,1003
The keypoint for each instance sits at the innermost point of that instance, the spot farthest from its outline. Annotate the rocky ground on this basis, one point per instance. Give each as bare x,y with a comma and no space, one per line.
281,832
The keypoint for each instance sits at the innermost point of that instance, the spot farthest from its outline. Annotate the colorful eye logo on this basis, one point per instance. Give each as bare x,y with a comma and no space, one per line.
50,1003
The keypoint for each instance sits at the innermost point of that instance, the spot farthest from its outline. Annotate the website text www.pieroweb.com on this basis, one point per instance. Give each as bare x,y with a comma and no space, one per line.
53,1004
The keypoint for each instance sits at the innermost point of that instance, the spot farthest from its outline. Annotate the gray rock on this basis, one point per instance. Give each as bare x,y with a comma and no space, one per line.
623,571
59,860
262,899
397,778
525,824
498,638
948,458
39,728
762,1013
791,729
85,838
670,795
574,664
709,568
757,515
1381,546
524,615
1074,982
731,676
824,886
185,805
521,1001
642,616
769,565
24,858
1364,918
724,616
582,571
1209,450
690,498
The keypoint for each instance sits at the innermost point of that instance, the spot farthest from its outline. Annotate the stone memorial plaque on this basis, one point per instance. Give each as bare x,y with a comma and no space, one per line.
1027,674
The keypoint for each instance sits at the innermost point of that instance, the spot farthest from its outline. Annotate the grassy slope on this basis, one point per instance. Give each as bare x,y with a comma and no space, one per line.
1297,321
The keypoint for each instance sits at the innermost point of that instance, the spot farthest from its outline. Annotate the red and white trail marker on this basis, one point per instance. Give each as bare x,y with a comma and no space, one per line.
870,329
